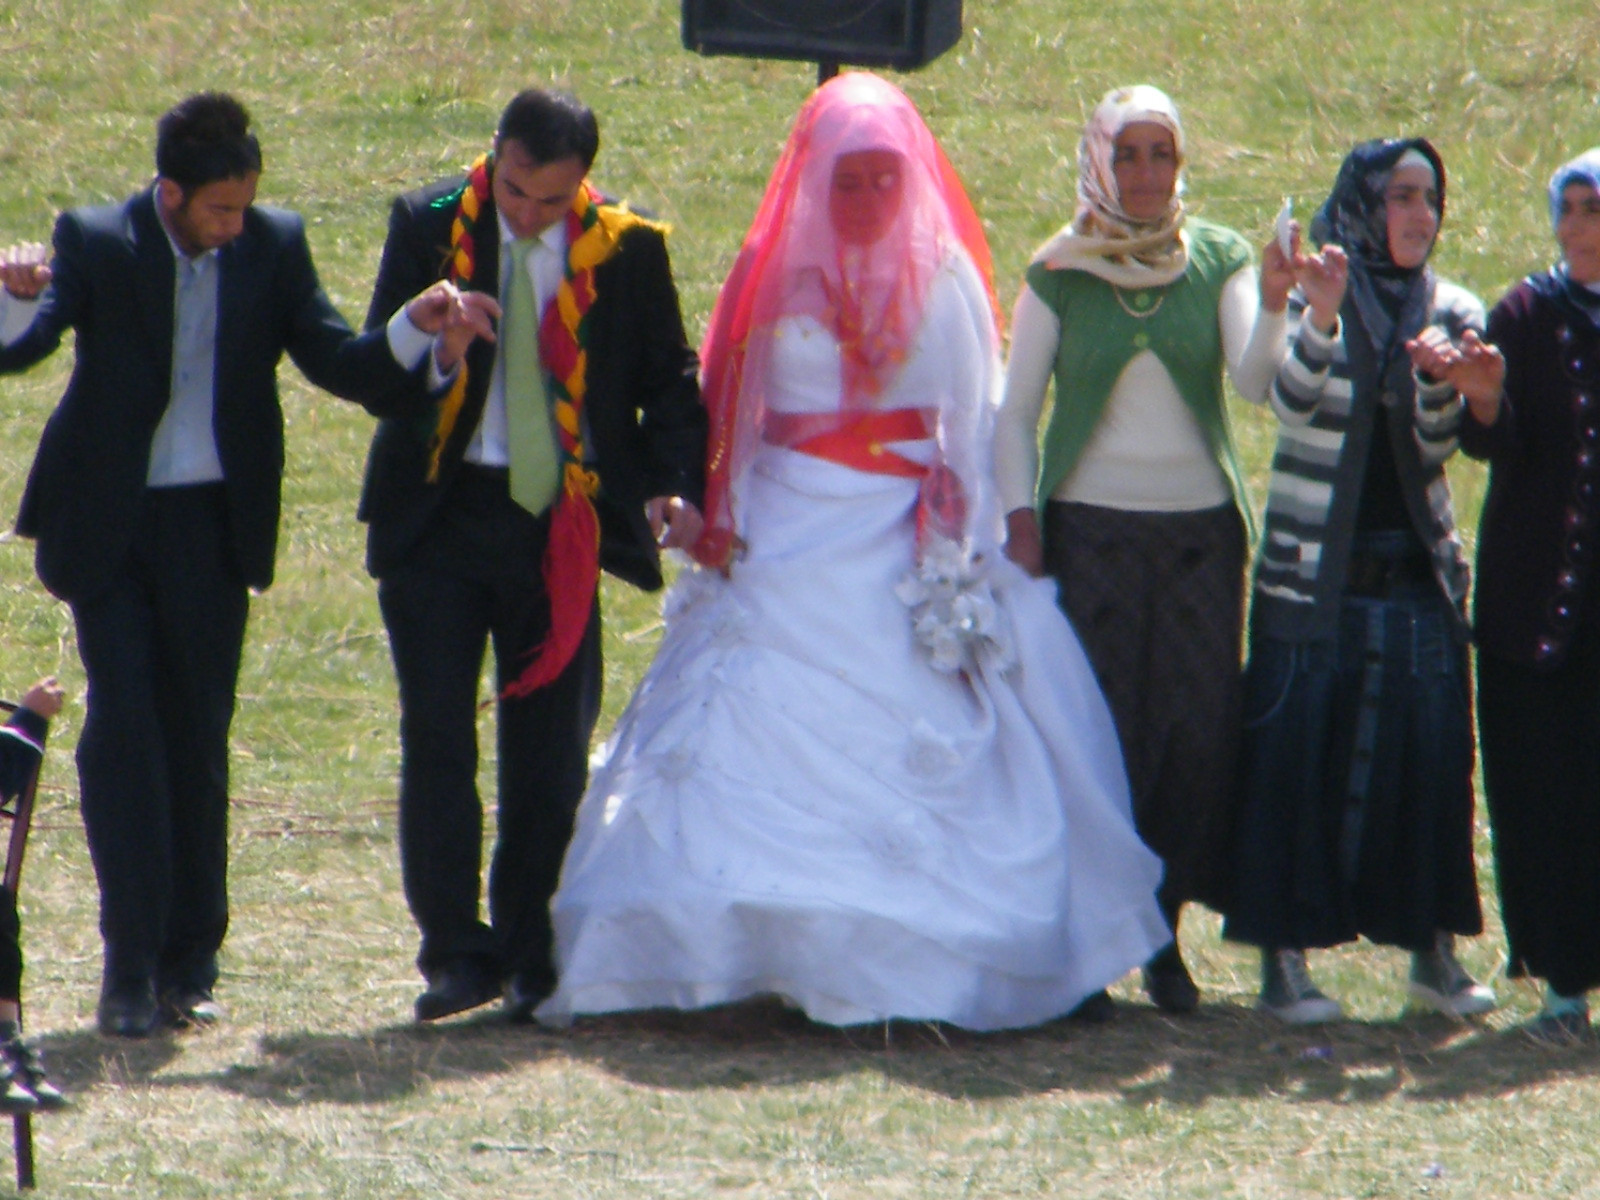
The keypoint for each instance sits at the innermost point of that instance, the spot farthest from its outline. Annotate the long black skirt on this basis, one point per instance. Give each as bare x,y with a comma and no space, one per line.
1540,733
1157,600
1356,774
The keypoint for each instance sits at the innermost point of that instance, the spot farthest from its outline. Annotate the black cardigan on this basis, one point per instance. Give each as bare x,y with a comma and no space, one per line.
1536,569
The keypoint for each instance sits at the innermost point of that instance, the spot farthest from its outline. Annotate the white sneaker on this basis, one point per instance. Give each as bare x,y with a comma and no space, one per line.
1288,993
1441,983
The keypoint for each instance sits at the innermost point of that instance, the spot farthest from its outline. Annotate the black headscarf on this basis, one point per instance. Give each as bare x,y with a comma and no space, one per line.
1393,301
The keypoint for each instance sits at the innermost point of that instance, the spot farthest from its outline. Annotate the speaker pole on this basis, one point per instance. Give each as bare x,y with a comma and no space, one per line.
826,71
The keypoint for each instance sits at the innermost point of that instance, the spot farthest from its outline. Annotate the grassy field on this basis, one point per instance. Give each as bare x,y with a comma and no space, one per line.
318,1086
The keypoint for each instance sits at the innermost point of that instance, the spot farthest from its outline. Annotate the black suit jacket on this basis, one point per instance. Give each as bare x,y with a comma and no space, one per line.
114,283
646,427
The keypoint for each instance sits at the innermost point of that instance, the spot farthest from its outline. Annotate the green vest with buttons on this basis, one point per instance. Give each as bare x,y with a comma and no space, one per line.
1103,328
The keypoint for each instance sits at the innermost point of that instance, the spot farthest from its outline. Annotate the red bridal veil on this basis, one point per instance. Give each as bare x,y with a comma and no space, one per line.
795,262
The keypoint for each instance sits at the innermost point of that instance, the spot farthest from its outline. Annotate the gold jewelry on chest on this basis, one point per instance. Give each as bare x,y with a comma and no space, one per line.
1143,303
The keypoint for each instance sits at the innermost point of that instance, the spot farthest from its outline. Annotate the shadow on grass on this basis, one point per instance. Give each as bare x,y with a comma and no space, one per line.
1223,1051
315,1068
81,1058
1143,1057
310,1068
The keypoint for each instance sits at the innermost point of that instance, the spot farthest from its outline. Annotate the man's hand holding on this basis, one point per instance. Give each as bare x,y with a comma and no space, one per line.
675,523
25,269
454,318
44,698
471,316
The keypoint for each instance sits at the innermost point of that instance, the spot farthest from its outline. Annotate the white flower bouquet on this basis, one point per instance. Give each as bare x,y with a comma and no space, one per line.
953,609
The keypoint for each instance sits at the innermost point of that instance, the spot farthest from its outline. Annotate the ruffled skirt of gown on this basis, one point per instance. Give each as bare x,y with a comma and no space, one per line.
797,803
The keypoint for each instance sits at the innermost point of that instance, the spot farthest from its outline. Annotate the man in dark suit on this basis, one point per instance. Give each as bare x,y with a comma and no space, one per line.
154,499
471,523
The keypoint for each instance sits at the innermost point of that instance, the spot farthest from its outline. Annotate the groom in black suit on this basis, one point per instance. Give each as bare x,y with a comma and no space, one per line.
461,513
154,500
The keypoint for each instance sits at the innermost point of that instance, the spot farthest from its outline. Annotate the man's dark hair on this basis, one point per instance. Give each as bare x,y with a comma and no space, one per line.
204,138
550,126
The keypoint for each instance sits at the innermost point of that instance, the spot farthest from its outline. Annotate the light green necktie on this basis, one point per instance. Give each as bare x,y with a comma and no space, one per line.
530,438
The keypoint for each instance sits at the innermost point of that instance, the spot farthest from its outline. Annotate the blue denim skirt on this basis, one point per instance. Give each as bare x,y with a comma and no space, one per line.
1356,781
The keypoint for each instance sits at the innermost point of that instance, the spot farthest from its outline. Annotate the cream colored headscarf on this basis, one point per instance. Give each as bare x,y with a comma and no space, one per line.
1102,239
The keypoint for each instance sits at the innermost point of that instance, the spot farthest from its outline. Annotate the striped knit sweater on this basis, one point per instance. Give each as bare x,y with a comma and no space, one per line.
1327,398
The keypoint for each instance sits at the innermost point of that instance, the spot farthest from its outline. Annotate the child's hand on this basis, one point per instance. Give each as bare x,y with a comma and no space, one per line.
44,698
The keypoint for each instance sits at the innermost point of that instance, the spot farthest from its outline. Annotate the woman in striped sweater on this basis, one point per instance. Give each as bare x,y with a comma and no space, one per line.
1356,784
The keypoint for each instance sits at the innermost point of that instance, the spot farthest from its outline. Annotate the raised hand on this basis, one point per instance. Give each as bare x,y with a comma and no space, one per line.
454,317
1472,366
472,316
1322,279
1277,270
25,269
430,310
44,697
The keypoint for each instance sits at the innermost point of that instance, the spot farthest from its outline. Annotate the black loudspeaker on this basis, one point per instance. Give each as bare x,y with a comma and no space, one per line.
866,33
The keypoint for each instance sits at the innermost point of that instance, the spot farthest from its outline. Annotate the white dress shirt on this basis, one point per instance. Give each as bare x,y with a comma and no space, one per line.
546,264
184,448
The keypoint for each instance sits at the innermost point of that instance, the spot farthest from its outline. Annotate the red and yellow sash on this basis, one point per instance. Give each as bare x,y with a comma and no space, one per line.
572,554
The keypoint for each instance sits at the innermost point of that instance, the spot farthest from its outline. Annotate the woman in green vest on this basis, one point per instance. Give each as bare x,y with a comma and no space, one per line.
1134,309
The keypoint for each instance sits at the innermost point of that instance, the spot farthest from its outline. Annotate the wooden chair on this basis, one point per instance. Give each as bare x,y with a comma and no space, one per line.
21,815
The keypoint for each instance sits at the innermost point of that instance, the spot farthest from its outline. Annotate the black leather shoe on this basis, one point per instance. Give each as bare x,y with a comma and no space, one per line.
193,1007
1097,1009
456,988
128,1011
1168,984
524,994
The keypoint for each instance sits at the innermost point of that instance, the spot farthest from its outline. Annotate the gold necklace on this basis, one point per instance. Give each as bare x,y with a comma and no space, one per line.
1141,308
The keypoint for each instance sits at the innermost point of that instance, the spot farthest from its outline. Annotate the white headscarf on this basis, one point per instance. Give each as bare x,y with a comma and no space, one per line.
1102,239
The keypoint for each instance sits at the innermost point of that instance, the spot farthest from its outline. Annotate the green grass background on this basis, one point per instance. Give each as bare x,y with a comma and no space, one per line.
318,1086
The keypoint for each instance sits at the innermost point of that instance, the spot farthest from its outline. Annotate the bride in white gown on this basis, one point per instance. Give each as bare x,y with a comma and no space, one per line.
869,770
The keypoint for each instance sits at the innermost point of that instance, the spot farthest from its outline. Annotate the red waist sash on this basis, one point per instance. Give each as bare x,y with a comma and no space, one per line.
858,442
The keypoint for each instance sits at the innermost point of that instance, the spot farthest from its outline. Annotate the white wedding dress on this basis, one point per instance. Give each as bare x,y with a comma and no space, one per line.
796,802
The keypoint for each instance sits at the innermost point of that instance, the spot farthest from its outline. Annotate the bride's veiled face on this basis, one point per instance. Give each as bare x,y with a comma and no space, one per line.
865,195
